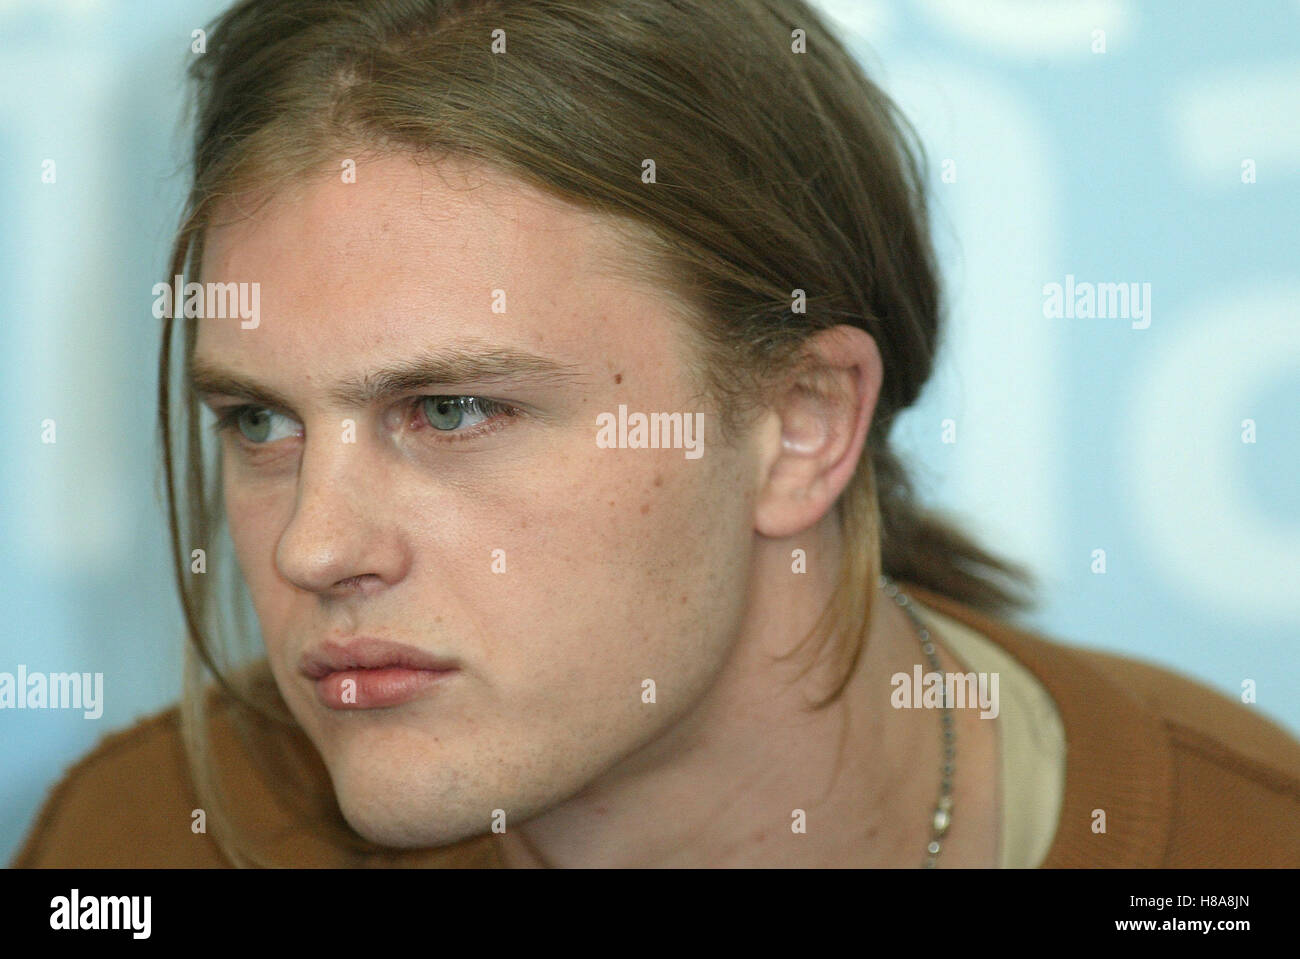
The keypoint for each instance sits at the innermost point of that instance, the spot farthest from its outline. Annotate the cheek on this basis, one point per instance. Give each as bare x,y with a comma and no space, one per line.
632,569
255,518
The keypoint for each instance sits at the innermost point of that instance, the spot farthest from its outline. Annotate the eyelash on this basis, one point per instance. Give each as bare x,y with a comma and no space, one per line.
228,419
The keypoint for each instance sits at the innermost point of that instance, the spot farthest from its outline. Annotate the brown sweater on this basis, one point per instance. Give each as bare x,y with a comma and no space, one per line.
1186,776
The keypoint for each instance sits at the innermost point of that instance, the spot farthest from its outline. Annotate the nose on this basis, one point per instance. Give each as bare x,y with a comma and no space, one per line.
341,539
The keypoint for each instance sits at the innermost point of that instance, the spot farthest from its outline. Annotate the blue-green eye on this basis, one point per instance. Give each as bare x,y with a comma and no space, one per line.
448,413
254,423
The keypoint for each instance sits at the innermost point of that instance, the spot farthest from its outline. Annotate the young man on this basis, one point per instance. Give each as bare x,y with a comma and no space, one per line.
555,463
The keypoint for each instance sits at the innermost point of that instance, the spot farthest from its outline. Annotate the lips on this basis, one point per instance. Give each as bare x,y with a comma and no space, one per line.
365,673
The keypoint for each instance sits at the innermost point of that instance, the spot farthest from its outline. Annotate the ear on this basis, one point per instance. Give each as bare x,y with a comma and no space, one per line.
824,414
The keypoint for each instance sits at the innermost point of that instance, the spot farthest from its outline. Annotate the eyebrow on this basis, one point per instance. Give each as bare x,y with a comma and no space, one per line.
450,369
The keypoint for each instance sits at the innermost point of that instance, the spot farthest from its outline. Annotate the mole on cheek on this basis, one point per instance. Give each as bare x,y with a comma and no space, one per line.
618,377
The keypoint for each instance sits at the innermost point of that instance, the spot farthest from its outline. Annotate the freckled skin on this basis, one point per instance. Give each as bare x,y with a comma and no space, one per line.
391,536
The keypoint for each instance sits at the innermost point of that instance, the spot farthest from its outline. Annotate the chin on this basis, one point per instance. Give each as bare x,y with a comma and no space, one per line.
405,789
404,819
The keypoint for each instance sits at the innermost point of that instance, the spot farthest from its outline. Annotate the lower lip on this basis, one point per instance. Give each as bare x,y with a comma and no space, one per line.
376,688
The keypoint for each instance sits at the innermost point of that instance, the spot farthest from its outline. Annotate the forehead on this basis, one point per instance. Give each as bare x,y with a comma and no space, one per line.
411,251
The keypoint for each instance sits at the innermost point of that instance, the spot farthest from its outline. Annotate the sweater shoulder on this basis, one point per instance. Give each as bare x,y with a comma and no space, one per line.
1185,775
1202,719
1235,772
128,802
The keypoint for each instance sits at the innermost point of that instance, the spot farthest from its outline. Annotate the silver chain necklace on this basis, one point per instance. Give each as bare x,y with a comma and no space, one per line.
943,809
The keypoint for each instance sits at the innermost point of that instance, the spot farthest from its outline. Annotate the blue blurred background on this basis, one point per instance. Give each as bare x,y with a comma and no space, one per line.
1110,140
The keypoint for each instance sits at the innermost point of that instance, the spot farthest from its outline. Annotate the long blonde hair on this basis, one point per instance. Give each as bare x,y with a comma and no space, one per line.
777,169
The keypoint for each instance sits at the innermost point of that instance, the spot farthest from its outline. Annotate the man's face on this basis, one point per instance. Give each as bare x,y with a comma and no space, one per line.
556,574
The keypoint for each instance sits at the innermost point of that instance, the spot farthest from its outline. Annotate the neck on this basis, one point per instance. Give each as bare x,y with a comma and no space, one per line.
750,776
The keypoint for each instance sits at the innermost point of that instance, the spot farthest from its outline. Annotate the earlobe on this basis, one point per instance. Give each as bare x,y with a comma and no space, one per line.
823,417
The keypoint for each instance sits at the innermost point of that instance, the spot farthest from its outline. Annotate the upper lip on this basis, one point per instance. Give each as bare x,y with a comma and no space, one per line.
366,653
